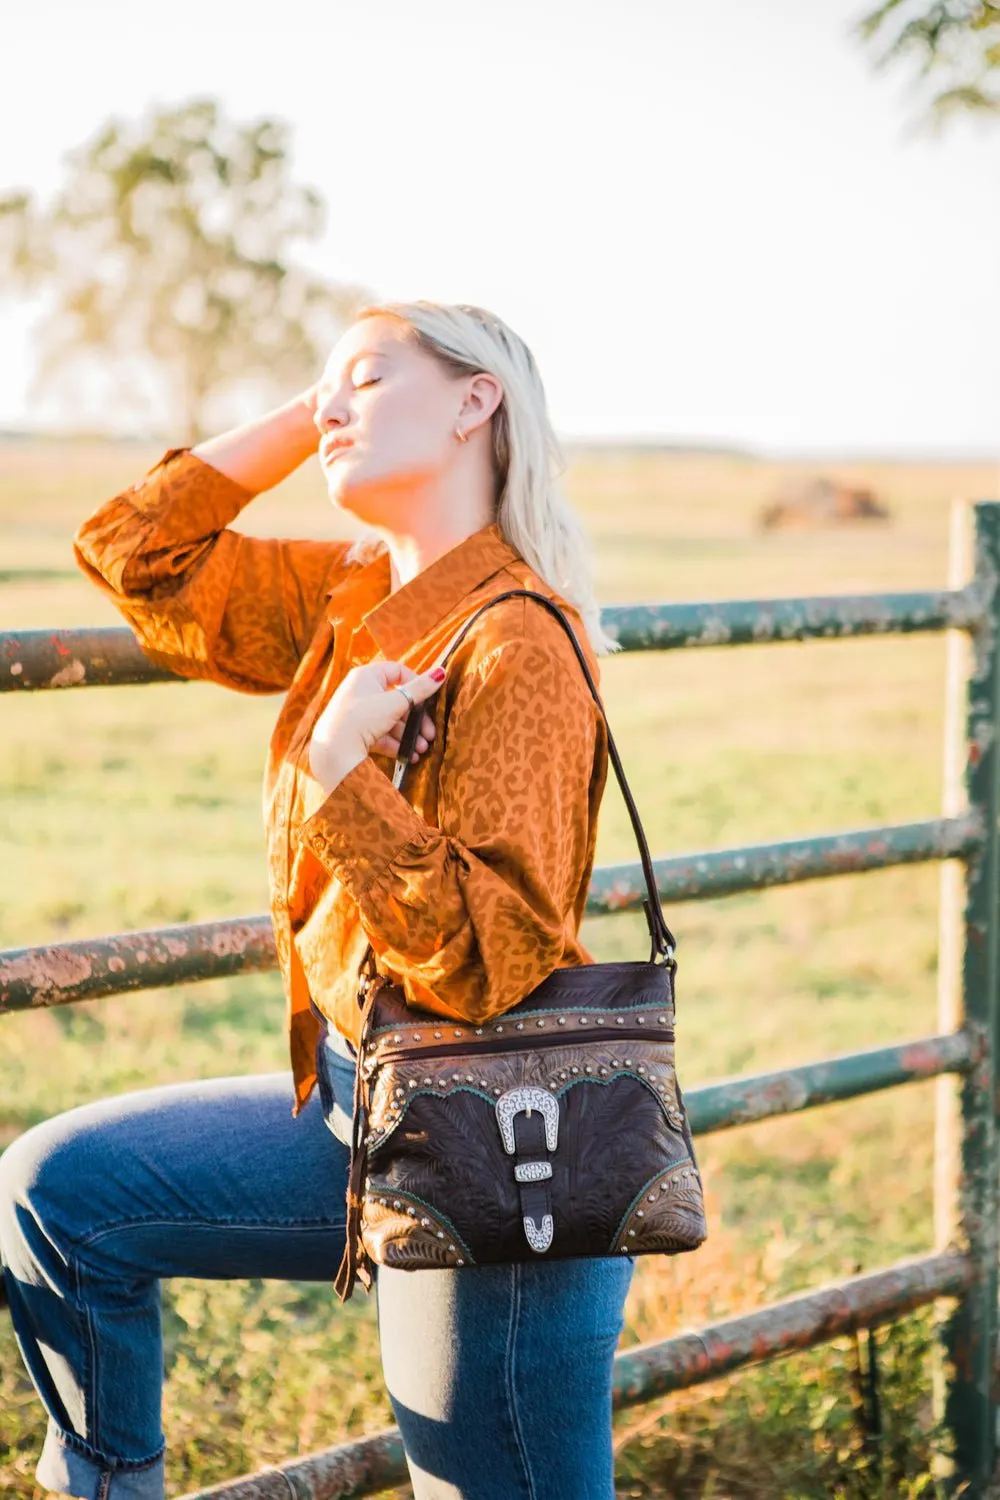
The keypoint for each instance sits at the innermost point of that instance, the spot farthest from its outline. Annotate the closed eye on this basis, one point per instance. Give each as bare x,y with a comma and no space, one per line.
372,380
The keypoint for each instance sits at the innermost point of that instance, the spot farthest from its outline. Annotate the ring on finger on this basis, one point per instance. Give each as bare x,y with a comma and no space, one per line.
401,689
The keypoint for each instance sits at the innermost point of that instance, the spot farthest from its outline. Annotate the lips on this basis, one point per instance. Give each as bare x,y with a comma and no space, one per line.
334,450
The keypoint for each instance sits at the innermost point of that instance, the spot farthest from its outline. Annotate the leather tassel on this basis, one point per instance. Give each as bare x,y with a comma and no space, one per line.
355,1264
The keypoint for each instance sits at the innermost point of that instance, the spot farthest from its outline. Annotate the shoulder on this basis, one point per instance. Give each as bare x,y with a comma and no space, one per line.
521,639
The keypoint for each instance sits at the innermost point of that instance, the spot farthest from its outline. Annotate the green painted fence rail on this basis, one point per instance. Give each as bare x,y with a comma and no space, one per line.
105,657
963,1273
763,1096
89,968
641,1375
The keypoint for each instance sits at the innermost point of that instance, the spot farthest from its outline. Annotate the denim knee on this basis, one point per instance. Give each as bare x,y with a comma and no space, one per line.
48,1184
44,1197
22,1194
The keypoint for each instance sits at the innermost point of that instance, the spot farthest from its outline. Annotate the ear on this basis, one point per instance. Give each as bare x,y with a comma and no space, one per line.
483,395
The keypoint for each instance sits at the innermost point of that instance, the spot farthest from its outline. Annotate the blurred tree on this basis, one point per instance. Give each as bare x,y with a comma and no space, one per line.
958,40
169,245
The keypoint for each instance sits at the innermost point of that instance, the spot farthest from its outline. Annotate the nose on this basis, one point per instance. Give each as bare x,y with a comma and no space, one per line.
330,414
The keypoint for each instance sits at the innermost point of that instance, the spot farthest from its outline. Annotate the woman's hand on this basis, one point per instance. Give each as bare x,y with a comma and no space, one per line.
310,398
367,713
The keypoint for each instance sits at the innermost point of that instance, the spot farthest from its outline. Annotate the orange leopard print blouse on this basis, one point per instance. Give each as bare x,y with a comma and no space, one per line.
470,881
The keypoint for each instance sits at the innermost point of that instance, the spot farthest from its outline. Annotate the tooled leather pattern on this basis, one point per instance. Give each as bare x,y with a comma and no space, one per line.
432,1129
444,1149
396,1085
669,1214
398,1231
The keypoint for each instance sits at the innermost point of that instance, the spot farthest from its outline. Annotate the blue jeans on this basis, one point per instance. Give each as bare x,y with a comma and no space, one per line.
499,1376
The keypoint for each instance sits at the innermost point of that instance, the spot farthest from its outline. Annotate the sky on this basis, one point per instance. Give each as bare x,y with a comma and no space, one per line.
711,222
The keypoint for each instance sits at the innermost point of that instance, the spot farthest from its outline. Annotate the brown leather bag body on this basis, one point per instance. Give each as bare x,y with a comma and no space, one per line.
557,1129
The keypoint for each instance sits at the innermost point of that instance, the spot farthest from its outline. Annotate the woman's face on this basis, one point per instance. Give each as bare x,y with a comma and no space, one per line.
387,413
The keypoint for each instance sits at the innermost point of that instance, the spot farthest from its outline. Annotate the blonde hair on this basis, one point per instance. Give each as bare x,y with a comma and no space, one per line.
532,513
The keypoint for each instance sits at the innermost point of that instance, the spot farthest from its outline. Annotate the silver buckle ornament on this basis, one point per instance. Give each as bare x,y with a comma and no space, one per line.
512,1103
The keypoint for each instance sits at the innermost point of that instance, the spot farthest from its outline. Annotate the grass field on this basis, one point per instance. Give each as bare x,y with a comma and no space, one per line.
134,807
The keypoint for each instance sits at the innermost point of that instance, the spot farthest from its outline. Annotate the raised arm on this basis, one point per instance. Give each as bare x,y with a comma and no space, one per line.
262,453
203,600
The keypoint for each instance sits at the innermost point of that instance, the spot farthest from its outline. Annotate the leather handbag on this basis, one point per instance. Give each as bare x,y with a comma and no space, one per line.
556,1129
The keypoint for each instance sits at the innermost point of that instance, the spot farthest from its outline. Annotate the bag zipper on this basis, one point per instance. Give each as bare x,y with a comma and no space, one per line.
473,1046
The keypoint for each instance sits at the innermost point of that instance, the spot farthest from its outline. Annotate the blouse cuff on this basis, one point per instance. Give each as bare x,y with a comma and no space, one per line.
183,480
363,825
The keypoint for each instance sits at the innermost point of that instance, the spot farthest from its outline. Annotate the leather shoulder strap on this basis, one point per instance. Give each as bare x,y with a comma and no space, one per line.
660,935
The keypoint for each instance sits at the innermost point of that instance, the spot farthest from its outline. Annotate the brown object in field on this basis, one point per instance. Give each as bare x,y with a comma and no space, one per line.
807,503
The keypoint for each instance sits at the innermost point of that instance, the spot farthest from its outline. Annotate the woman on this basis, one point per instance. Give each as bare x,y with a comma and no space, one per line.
469,882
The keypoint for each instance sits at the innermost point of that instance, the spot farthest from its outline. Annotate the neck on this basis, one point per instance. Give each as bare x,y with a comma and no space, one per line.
436,529
410,555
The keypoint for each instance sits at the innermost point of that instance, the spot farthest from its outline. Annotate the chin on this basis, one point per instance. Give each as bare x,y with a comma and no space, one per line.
376,500
353,501
342,494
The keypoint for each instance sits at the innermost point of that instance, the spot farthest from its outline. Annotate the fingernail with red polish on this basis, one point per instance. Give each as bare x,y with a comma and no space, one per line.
438,674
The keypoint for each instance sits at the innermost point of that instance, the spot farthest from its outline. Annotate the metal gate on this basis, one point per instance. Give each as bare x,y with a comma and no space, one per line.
964,1271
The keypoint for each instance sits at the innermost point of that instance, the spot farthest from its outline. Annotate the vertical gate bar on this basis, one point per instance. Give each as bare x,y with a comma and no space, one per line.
951,932
970,1334
947,1119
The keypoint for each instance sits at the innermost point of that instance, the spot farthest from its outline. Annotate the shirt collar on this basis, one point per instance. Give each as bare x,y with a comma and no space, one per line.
398,621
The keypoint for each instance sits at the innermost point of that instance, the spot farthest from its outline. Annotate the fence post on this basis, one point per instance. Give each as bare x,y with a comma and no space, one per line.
971,1333
948,1130
951,920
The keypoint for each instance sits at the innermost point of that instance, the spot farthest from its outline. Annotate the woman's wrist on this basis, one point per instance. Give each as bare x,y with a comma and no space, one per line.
261,453
330,765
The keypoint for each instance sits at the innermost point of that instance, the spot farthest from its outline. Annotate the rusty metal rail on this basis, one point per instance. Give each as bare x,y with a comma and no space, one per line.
755,622
32,660
640,1375
740,1101
89,968
744,1100
63,973
727,872
966,1272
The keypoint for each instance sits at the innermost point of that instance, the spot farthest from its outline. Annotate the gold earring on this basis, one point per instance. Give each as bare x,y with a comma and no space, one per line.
462,436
